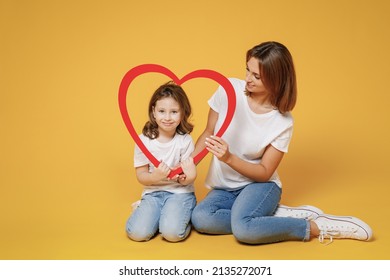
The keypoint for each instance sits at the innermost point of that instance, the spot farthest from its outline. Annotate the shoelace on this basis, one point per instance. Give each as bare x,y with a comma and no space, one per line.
324,234
335,232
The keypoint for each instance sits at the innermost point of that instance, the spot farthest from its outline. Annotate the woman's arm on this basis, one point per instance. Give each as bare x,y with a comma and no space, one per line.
259,172
209,130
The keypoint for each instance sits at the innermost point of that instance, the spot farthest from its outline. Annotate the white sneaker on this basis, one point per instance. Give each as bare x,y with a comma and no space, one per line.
301,212
342,227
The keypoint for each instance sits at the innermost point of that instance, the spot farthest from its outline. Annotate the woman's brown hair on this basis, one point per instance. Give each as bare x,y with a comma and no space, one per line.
277,73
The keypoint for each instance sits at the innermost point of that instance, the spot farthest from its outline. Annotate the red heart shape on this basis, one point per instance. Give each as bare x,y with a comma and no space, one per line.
149,68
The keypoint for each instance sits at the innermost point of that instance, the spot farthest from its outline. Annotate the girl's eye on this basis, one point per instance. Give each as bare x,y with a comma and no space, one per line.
161,111
175,112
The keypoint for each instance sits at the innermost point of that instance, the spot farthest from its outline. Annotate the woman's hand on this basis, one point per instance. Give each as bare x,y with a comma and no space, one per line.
218,147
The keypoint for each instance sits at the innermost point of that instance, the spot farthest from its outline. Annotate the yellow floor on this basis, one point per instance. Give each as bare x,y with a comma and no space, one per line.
86,221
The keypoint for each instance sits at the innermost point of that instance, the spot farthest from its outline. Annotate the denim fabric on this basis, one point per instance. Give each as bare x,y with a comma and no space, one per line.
248,214
168,213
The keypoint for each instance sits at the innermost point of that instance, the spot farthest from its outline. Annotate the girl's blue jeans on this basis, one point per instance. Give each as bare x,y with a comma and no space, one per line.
247,213
168,213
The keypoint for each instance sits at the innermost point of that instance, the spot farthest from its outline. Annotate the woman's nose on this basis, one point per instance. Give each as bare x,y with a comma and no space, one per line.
248,77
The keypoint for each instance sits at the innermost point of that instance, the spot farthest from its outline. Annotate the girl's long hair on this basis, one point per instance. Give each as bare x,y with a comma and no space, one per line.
176,92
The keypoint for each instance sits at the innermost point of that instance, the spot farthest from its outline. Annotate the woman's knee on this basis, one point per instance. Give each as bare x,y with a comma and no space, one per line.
203,221
243,232
198,218
240,231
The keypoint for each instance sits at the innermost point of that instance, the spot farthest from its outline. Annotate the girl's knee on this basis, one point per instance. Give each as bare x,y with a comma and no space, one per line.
139,233
172,237
175,234
139,237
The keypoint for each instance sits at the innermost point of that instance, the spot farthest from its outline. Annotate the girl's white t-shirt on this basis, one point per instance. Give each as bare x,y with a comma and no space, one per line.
172,153
248,135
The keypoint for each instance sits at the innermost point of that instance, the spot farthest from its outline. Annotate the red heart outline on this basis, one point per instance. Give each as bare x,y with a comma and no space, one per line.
150,68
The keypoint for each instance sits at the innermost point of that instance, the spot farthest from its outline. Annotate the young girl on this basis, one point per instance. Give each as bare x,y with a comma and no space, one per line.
166,204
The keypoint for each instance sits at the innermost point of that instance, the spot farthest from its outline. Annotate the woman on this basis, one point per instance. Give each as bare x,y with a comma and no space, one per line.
245,186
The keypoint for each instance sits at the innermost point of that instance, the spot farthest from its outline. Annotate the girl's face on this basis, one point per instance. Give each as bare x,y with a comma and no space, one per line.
168,115
253,80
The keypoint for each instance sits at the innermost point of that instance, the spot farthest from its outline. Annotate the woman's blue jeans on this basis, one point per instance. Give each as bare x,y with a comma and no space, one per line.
247,213
168,213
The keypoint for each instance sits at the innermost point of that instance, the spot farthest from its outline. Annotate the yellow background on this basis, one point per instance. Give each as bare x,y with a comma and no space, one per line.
66,175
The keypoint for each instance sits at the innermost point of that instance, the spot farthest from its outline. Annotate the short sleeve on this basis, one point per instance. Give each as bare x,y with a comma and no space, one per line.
283,140
218,102
139,157
188,147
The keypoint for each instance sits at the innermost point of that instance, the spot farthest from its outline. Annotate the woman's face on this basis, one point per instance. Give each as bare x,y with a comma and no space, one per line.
253,80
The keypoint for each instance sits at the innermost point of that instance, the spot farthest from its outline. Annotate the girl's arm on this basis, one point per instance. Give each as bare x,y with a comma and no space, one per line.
189,170
259,172
158,175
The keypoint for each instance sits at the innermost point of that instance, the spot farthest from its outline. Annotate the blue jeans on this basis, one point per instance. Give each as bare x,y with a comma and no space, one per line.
247,213
168,213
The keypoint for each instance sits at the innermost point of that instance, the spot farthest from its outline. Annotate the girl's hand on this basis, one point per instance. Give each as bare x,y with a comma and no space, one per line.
218,147
181,177
189,172
189,168
161,172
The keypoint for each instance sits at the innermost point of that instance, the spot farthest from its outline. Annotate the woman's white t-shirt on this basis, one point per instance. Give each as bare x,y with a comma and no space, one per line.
171,153
248,135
